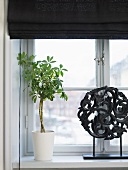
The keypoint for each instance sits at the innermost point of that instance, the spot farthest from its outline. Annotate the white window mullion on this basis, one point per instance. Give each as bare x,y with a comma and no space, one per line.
106,63
99,63
106,78
102,74
100,77
101,42
102,63
97,59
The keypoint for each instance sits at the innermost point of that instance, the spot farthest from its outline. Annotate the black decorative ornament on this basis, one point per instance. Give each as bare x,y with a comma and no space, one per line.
103,113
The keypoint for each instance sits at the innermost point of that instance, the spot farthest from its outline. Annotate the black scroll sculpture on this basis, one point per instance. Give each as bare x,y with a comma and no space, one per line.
103,113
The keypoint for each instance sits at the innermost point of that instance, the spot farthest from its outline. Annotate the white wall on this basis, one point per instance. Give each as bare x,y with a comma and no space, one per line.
9,94
1,81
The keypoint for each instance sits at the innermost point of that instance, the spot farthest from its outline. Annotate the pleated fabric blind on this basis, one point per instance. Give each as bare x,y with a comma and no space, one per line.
68,19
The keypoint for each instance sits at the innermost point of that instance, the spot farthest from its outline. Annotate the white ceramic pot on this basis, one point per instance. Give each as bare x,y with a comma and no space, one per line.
43,145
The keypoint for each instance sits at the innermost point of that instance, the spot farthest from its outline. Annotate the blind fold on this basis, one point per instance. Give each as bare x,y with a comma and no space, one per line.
98,19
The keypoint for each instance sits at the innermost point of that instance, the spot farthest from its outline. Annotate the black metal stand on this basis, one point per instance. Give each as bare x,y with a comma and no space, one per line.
105,156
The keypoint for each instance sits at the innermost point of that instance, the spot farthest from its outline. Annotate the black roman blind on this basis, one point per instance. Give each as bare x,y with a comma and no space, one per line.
68,19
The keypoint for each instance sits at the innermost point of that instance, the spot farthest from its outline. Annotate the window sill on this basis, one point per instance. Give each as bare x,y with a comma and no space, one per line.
70,162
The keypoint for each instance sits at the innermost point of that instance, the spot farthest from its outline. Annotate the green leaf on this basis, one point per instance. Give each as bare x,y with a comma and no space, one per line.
64,69
62,73
55,68
51,58
61,66
35,99
53,62
44,61
31,57
65,97
59,91
48,58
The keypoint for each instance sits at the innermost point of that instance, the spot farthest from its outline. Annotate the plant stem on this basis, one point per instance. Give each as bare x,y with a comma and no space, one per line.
42,129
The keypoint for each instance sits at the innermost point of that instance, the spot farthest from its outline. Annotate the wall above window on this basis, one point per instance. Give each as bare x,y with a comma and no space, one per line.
90,19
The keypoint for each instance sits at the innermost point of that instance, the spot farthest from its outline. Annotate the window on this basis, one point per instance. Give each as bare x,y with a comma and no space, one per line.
91,64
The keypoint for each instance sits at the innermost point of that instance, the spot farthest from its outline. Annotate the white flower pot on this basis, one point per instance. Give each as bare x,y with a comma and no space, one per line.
43,145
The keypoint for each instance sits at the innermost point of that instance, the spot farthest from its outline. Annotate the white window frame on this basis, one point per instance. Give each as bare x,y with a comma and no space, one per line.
102,78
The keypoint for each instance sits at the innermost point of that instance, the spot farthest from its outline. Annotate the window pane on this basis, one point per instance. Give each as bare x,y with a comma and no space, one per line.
118,63
61,116
76,55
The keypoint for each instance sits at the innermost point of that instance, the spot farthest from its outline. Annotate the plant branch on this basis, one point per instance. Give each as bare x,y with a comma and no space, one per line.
42,129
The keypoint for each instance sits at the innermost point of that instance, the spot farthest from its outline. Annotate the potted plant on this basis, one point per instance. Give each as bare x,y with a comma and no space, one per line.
44,81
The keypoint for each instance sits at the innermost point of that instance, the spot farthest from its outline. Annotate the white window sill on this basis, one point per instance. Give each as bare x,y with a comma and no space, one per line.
70,162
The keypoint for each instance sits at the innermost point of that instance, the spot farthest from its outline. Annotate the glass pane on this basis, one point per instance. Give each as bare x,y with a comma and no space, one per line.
118,63
76,55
